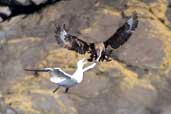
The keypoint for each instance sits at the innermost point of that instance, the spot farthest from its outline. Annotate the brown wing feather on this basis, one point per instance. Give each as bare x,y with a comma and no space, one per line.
70,42
123,33
57,34
77,45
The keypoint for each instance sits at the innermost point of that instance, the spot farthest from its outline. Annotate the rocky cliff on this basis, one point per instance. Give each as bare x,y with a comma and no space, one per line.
136,81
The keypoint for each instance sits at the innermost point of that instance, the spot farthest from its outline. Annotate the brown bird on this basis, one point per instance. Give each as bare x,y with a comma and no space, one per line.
96,49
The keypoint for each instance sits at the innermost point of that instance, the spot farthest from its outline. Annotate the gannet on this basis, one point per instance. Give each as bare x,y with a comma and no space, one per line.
63,79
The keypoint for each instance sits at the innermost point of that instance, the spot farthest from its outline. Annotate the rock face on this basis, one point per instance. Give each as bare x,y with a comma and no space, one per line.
6,109
169,12
17,7
136,81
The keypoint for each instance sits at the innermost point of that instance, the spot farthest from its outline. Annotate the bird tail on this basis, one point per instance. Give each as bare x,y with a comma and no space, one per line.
37,70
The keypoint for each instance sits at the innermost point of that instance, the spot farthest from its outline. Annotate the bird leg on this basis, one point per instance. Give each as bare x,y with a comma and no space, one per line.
66,90
106,55
56,89
90,59
36,74
102,58
93,55
107,58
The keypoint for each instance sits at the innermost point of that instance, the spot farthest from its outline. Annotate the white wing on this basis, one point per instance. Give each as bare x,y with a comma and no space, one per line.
56,79
60,73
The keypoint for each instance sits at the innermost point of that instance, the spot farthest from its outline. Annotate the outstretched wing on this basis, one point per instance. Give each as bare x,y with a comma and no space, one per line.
60,73
123,33
69,41
77,45
60,34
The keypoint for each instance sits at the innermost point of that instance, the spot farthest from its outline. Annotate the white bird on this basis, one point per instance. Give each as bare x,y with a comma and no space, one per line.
63,79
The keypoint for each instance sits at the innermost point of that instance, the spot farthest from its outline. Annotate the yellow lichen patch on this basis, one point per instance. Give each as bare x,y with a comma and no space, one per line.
164,35
74,110
166,66
28,83
20,97
56,96
21,101
121,67
89,29
0,94
45,92
142,12
157,80
19,40
3,41
61,58
137,4
155,10
109,11
129,83
159,9
59,102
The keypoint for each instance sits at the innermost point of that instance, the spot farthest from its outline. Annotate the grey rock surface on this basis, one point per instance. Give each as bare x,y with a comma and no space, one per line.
136,81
